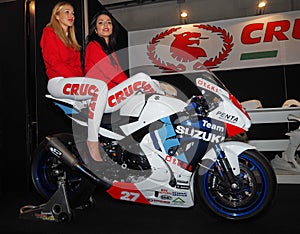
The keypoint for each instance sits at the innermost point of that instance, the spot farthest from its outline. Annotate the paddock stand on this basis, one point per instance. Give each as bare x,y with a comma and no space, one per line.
57,209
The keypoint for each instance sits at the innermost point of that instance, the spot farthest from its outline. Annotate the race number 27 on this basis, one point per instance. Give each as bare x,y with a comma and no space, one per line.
129,196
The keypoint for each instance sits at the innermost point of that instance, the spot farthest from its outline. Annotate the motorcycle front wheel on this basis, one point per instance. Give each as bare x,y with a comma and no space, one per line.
256,190
46,170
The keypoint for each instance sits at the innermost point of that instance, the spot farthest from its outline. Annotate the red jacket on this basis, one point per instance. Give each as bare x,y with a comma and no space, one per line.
59,60
99,66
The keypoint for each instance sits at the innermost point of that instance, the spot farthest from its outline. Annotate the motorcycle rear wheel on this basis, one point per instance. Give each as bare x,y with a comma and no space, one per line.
255,194
46,168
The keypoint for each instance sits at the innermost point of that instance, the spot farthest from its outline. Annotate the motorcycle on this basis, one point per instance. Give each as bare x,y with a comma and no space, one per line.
163,151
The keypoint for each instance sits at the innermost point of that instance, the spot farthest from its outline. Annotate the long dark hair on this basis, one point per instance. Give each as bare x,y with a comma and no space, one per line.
92,36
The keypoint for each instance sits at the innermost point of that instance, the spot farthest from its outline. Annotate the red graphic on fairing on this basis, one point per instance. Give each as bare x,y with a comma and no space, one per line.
127,192
185,49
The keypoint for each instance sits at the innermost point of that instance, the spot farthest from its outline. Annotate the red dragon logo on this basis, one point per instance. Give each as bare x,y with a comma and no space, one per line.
185,48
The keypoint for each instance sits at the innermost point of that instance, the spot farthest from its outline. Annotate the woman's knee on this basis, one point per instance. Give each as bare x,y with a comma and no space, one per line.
53,87
142,76
101,85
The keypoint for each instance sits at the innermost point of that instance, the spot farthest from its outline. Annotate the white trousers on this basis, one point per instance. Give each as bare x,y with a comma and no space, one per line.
101,99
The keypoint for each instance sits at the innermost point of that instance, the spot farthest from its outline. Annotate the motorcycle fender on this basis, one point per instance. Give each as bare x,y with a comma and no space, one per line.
232,150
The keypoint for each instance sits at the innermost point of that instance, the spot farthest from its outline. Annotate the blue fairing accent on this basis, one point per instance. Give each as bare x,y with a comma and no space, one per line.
168,137
67,110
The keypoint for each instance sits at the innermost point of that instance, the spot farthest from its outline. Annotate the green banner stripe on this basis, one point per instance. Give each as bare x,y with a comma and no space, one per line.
259,55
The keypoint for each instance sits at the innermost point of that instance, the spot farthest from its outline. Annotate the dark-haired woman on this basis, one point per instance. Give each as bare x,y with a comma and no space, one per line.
101,62
100,59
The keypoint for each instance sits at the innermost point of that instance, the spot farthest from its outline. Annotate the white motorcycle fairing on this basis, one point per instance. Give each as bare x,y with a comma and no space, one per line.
225,112
232,150
148,111
156,189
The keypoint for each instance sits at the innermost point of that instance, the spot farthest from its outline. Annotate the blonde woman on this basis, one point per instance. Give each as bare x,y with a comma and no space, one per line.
61,54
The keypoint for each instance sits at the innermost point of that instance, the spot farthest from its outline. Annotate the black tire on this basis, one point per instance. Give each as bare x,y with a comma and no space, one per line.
256,193
45,168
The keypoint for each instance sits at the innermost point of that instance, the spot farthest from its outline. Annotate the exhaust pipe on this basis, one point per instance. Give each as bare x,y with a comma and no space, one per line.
58,149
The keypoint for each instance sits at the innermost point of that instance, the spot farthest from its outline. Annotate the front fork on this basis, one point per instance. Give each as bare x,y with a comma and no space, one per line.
224,168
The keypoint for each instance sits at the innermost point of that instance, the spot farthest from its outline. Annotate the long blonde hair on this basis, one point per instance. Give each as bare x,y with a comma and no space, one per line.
70,39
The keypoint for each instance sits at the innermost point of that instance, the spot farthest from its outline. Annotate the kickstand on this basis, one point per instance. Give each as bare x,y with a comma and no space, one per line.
57,209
